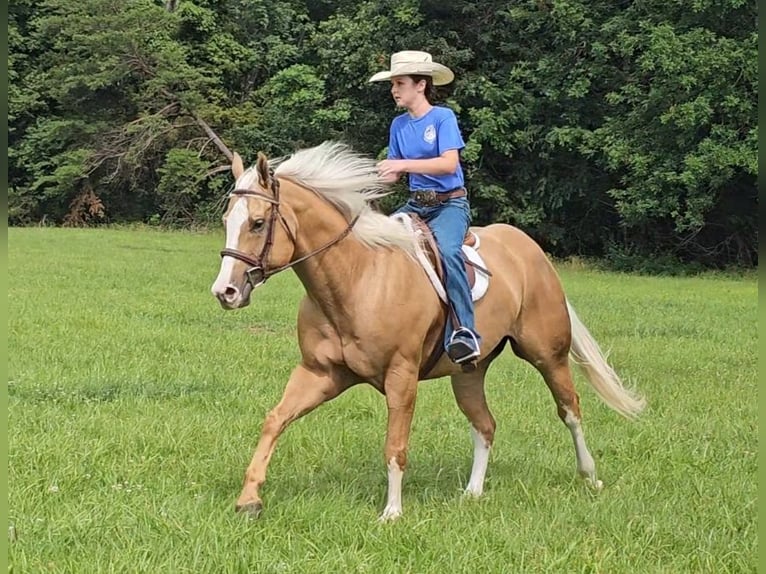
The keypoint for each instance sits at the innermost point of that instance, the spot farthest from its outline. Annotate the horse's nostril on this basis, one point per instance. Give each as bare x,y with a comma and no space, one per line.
230,293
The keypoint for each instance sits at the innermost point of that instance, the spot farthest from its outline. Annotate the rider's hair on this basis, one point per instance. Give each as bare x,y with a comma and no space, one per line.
430,91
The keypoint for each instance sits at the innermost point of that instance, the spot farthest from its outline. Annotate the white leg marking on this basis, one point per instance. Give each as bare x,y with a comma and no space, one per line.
234,222
480,460
585,465
393,507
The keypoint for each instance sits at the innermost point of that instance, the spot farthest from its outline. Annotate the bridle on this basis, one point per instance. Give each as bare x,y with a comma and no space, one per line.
258,272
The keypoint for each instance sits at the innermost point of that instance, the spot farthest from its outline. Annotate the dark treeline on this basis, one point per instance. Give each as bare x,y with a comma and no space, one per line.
612,129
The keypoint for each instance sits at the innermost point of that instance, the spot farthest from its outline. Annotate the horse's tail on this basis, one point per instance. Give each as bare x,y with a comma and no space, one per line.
600,374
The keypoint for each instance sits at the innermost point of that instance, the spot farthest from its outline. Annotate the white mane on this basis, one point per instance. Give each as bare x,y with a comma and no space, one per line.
349,181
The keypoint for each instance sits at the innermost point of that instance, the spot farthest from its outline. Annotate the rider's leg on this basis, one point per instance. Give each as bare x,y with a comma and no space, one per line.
449,223
410,207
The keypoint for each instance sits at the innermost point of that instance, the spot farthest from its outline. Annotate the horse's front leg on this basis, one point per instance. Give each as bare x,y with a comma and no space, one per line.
306,390
401,385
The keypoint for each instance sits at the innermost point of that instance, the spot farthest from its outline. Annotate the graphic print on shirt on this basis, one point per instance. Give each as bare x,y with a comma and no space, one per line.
430,134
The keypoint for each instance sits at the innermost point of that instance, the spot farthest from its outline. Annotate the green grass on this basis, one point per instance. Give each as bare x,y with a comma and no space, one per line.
135,403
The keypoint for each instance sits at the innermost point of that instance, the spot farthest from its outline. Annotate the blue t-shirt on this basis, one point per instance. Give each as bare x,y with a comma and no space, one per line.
427,137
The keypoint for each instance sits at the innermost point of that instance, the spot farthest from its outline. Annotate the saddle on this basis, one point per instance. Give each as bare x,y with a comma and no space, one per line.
430,260
432,251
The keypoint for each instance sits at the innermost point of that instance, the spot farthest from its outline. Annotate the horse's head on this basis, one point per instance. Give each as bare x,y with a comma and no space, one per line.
260,234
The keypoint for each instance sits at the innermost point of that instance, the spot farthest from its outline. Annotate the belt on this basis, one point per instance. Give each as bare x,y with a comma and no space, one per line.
432,198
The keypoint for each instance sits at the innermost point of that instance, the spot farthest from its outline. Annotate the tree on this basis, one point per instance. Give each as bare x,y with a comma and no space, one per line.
618,130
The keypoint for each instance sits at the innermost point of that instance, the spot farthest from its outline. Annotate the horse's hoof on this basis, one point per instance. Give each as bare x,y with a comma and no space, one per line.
472,494
390,514
594,484
251,509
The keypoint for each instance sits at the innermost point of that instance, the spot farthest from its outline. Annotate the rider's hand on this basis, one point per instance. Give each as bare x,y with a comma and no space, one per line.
389,170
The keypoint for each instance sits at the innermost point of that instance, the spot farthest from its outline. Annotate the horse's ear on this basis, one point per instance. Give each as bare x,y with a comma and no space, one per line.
262,166
237,167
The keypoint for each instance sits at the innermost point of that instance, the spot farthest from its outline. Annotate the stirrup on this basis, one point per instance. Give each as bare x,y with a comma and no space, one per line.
461,351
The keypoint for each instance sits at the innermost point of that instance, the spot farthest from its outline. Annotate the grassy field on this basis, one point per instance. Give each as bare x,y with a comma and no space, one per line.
135,403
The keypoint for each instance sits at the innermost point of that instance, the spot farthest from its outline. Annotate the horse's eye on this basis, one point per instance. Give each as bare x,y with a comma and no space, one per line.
258,224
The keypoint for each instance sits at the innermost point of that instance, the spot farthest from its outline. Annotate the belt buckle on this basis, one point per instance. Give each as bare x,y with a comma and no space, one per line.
426,198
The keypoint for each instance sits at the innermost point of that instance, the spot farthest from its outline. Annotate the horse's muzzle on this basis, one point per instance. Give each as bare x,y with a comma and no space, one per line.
230,297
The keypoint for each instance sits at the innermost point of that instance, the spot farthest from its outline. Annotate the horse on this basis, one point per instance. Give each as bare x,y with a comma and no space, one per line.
370,314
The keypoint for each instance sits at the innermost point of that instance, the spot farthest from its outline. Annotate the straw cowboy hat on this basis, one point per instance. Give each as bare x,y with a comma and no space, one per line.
415,63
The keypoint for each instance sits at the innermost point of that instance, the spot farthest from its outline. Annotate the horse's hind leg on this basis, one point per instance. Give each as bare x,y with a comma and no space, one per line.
547,349
558,377
469,394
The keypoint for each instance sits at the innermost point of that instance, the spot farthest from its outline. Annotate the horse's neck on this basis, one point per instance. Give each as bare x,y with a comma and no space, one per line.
330,276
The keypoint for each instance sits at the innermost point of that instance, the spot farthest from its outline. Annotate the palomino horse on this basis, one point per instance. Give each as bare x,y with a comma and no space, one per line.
371,315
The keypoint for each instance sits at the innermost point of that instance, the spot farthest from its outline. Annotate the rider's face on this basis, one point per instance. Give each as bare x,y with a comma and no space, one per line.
406,92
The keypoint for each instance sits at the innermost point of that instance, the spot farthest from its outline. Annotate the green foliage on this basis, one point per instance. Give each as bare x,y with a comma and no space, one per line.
180,186
682,130
593,126
629,260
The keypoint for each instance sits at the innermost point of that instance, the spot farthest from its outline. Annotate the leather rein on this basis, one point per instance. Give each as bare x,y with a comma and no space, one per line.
258,271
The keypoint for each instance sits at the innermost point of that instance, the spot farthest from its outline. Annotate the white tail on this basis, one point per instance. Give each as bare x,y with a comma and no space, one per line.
600,374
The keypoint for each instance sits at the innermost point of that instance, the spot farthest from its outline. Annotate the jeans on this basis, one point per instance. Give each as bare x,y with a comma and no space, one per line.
449,223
